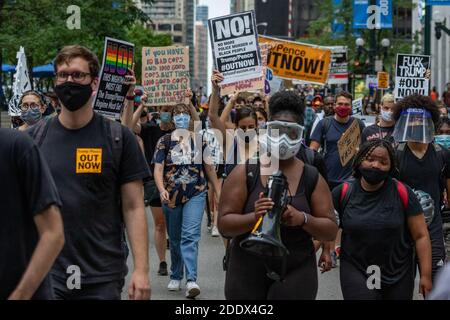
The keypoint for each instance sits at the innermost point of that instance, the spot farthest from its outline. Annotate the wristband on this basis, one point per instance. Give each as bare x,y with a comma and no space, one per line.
305,220
130,98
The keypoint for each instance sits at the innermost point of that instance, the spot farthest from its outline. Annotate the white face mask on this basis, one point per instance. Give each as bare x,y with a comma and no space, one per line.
287,148
386,115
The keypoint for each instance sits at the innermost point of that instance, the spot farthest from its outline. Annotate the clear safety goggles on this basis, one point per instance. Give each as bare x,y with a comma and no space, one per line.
291,130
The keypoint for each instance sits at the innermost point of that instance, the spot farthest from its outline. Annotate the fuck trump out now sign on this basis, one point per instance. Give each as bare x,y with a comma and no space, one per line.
234,42
412,75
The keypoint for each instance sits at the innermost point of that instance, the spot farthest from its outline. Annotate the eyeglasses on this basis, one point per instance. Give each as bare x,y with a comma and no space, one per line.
25,106
76,76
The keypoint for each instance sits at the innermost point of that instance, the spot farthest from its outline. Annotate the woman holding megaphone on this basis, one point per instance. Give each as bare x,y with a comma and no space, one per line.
271,253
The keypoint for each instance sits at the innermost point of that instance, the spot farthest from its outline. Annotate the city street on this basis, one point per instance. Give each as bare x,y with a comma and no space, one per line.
211,275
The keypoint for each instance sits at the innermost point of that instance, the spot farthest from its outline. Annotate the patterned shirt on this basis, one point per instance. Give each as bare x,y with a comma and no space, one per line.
184,176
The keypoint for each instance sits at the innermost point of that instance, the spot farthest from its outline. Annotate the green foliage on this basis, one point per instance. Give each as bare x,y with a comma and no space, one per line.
41,27
320,33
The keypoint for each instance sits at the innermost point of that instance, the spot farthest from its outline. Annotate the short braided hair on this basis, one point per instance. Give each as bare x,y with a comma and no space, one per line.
366,150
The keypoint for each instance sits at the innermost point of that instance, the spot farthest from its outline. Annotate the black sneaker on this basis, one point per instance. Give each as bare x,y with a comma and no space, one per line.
162,268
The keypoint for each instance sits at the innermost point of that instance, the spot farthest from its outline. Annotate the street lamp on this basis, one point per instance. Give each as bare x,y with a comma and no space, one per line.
440,25
373,51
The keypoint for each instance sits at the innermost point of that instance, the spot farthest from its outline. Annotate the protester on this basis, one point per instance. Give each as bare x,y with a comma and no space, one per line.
382,223
384,128
327,134
328,106
31,229
180,179
32,106
442,136
258,102
442,110
434,95
240,209
261,115
99,171
423,166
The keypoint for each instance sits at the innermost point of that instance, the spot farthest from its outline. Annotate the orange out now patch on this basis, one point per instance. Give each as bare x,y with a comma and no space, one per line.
89,160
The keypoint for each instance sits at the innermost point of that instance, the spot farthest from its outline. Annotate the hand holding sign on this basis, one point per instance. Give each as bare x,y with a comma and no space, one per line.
130,81
216,78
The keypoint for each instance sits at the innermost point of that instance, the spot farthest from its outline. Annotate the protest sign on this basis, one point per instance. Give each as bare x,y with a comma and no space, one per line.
411,75
357,105
165,74
371,81
383,80
253,84
21,83
297,61
117,59
235,48
338,66
349,142
272,83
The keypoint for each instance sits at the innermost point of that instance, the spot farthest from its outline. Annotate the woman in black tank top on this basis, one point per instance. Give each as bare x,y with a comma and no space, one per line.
303,219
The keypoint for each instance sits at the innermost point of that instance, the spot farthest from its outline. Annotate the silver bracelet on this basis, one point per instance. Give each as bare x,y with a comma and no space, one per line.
305,221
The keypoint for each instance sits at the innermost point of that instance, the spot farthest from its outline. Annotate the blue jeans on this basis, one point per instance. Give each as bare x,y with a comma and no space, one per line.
184,224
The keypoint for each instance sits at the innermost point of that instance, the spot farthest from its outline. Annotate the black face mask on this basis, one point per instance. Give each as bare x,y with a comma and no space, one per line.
373,176
73,95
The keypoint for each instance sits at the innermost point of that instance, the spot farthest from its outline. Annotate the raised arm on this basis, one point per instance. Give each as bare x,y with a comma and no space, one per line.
127,113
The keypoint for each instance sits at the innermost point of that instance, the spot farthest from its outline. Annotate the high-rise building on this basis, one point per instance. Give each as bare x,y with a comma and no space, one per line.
200,76
241,5
166,16
176,17
189,18
202,14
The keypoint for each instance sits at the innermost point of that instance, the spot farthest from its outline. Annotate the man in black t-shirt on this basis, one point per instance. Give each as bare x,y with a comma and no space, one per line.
423,165
99,170
31,230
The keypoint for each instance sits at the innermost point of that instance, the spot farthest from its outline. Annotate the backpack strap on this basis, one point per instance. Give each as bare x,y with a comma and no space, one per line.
403,193
346,191
310,179
252,172
40,131
116,138
325,127
309,153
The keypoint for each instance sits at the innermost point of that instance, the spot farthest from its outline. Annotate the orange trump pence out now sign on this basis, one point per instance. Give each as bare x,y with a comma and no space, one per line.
89,160
298,61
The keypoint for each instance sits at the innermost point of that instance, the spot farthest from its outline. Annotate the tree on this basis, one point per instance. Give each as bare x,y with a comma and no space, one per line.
41,27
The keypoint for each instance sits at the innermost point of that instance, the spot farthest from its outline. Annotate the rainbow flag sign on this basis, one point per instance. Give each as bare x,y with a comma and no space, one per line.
118,57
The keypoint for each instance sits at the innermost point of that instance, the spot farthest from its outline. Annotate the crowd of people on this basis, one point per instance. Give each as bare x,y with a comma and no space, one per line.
366,197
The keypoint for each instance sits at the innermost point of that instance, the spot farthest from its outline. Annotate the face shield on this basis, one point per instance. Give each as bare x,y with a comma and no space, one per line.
414,125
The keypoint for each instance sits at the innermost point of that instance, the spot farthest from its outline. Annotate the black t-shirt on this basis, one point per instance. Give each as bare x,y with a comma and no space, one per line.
376,132
26,188
317,162
375,230
88,181
424,174
150,134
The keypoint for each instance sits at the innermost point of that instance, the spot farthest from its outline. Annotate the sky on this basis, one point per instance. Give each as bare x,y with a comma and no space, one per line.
217,8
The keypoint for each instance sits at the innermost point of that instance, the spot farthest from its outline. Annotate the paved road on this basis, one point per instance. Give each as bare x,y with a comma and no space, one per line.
211,276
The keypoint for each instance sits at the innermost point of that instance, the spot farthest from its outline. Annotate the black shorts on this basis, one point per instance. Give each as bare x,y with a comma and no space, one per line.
110,290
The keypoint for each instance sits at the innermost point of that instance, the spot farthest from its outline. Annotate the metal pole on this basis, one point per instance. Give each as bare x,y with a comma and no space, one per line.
427,30
372,44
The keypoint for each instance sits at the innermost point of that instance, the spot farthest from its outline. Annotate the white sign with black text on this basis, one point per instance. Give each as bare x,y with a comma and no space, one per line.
234,42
